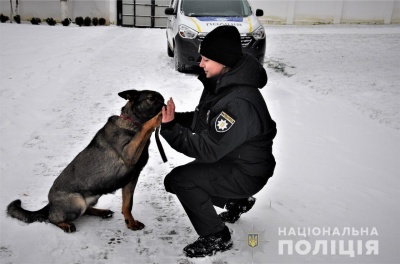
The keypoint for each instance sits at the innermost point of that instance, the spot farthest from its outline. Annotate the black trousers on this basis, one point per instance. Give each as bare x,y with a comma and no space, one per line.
200,186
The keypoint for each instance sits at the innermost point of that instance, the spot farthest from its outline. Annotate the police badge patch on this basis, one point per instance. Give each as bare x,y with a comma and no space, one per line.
223,122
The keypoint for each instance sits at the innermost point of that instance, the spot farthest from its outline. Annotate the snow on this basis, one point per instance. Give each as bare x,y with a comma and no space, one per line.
333,91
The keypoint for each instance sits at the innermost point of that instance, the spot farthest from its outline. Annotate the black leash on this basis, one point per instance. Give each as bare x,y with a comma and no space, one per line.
159,145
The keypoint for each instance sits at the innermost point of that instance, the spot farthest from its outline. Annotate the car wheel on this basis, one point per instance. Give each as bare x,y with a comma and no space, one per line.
178,65
170,52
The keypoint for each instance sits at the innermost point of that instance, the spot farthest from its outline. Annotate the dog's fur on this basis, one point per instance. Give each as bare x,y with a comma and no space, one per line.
112,160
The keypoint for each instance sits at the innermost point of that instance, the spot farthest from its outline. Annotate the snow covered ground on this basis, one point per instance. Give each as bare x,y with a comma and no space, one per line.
333,90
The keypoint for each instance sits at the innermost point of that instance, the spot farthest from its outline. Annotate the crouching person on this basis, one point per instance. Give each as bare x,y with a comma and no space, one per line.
230,137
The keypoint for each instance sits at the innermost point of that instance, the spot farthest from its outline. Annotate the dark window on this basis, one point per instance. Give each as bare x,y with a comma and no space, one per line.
220,8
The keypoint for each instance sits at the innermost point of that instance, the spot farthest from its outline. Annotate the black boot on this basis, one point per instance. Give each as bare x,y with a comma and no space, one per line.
209,245
236,208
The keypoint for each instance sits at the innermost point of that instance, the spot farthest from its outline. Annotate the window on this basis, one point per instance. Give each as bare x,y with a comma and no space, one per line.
220,8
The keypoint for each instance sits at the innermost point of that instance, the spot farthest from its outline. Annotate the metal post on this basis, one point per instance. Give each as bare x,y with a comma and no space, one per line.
119,12
64,9
134,13
153,12
11,11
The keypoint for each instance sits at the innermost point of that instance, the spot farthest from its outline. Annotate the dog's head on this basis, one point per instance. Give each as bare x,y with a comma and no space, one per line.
141,105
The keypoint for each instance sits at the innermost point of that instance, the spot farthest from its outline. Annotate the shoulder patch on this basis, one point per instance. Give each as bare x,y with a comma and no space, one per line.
223,122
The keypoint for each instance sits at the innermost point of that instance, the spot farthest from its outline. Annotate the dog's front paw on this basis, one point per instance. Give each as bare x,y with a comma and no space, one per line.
134,225
153,123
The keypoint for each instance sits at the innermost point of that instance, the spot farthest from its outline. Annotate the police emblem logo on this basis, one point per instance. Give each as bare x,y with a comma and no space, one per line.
223,122
252,240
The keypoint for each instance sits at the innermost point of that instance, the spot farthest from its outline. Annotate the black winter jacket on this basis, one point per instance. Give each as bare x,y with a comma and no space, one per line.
231,124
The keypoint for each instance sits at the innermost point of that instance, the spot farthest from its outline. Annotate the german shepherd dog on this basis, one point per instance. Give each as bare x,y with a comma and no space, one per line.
113,160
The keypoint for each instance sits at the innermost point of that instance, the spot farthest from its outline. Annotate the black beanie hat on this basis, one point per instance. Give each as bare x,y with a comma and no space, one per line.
223,45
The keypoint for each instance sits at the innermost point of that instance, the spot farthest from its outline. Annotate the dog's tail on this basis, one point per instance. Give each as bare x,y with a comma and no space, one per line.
15,210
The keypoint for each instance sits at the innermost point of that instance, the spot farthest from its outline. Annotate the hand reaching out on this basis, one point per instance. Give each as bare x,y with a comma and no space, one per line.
168,111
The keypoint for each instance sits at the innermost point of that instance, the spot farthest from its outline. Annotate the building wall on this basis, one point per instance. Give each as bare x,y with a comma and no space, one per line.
328,11
275,11
52,8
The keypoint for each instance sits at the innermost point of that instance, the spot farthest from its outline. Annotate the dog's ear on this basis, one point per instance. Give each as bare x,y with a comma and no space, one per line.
130,95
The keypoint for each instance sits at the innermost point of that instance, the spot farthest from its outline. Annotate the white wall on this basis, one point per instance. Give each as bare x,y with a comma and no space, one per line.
275,11
328,11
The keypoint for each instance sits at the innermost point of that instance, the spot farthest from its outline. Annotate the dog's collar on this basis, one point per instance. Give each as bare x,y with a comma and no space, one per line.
127,118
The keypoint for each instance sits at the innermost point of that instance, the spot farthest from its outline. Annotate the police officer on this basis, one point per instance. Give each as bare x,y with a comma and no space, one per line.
230,137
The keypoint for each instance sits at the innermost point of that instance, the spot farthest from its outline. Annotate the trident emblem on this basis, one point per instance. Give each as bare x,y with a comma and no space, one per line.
252,240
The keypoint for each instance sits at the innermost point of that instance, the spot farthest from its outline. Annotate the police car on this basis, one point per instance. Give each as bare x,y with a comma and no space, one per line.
189,21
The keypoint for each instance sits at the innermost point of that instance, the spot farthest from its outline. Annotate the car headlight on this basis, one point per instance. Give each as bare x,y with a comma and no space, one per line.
259,33
187,32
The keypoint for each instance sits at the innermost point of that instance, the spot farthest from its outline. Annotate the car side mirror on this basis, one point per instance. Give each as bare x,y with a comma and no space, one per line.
169,11
259,12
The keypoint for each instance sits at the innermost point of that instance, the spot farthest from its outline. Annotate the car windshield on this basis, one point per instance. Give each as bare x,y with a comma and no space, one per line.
224,8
